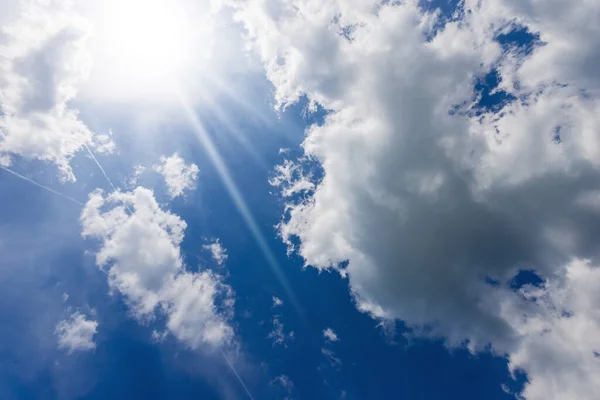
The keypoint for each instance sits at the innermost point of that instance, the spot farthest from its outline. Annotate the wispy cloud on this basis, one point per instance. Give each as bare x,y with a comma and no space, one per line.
217,251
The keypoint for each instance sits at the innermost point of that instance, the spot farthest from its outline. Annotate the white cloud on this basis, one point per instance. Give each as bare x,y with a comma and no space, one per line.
330,335
178,175
560,330
217,251
419,205
142,257
43,60
277,301
292,179
76,333
279,336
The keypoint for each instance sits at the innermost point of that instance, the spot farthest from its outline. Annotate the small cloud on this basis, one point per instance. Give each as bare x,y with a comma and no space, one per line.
178,175
104,143
218,252
76,333
65,296
278,334
277,301
330,335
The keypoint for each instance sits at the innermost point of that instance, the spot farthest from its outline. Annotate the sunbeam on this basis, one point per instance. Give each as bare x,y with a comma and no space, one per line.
236,196
234,131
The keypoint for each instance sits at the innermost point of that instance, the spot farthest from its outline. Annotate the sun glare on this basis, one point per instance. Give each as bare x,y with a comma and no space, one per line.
141,46
149,37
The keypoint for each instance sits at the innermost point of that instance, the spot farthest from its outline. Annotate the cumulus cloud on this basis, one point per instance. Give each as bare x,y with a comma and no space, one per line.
561,335
76,333
141,254
217,251
432,198
43,59
178,175
330,335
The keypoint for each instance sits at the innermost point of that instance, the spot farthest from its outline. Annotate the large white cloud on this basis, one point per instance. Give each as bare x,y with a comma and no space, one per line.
141,254
43,59
425,198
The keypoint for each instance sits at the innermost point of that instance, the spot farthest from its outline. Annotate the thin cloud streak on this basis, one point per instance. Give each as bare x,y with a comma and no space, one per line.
64,196
236,374
105,175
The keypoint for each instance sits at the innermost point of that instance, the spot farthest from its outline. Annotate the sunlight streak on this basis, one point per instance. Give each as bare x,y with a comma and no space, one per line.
237,198
234,131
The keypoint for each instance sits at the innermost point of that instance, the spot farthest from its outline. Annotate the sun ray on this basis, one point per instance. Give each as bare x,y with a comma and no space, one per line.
236,196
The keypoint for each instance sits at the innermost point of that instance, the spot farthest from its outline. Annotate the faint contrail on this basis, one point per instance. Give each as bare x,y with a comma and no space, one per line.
238,199
236,374
64,196
105,175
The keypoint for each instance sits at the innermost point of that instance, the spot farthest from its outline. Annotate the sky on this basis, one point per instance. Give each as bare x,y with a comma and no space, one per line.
299,199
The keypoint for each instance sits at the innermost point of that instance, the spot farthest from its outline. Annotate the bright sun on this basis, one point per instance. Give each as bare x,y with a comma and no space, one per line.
149,36
140,46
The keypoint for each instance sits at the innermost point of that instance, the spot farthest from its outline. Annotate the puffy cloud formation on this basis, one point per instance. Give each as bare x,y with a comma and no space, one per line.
76,333
43,59
140,250
433,192
178,175
560,334
217,252
330,335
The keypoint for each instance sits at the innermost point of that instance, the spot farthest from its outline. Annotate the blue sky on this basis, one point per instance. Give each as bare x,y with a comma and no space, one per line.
267,200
